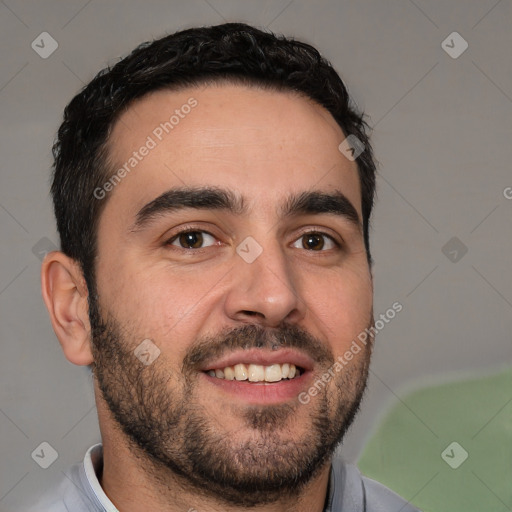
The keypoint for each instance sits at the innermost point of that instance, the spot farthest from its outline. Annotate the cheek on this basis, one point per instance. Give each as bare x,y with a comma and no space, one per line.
342,305
161,303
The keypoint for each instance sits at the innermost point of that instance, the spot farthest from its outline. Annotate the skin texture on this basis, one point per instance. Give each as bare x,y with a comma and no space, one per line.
263,146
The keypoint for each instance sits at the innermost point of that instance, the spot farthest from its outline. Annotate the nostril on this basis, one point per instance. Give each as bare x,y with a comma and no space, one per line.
254,317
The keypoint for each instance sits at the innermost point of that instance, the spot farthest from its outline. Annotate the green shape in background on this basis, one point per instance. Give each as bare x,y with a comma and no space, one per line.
405,451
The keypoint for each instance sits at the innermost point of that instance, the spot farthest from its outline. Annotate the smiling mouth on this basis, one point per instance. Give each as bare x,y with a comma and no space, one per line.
257,373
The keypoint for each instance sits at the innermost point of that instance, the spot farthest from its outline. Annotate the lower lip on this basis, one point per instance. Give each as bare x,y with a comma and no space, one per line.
262,392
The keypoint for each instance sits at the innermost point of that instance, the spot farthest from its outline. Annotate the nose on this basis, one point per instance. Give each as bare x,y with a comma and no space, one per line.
264,291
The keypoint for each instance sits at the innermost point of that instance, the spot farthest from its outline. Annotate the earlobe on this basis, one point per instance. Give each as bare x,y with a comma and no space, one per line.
65,295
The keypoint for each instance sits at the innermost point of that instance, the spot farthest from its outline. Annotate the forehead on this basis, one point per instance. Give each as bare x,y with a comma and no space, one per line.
262,144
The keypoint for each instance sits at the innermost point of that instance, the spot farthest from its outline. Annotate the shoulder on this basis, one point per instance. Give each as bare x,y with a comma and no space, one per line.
57,498
353,492
380,498
75,491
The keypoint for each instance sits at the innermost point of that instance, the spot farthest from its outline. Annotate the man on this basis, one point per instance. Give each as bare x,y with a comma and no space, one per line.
213,192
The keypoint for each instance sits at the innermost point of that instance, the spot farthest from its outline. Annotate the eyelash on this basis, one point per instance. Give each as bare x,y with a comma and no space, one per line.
317,232
186,230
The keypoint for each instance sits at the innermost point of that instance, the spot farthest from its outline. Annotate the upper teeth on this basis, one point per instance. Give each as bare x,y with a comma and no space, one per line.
256,372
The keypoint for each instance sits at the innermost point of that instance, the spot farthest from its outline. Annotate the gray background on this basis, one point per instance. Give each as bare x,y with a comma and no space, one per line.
442,136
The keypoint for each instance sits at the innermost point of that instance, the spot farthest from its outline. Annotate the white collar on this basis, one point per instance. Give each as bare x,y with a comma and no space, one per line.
93,464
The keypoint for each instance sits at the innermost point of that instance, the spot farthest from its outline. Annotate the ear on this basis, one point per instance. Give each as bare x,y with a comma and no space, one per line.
65,295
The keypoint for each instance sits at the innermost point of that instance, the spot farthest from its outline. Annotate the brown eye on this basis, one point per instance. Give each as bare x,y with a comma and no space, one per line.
193,240
313,242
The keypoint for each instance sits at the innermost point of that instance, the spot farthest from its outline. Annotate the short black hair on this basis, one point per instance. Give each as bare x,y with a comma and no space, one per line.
232,52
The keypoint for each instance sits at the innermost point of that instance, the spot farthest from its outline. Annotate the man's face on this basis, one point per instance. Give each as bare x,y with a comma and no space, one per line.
235,242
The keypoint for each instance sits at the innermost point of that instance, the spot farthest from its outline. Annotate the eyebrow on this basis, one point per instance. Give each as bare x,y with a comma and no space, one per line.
213,198
315,203
199,198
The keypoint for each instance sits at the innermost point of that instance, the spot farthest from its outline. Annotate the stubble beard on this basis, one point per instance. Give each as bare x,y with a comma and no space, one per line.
163,418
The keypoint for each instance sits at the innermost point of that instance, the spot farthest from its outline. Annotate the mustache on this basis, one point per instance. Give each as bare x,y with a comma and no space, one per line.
254,336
